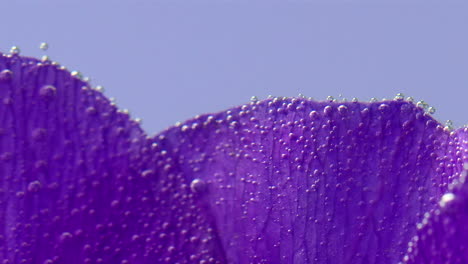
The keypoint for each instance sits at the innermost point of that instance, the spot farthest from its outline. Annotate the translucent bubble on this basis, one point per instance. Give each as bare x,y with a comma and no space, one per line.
446,198
313,114
330,98
197,185
399,97
254,99
327,110
449,124
6,75
44,46
65,236
147,173
422,104
383,107
34,186
99,88
342,109
47,91
77,74
15,50
431,110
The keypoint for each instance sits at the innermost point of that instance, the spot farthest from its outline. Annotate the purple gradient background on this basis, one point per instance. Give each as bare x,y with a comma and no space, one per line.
167,61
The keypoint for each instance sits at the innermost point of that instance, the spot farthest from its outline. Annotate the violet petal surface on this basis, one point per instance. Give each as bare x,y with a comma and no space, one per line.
276,181
442,237
297,181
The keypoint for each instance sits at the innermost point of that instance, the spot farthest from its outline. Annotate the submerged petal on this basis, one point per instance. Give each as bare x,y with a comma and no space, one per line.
295,181
442,235
276,181
79,180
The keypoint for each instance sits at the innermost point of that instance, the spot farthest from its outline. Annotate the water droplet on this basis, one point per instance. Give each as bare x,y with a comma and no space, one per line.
373,99
15,50
330,98
47,91
254,99
44,46
45,58
431,110
446,198
197,185
355,100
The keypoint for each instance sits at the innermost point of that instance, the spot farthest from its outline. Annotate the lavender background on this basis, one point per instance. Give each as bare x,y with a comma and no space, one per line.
167,61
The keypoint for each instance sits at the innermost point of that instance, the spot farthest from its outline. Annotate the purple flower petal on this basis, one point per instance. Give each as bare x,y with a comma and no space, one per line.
80,182
295,181
442,235
277,181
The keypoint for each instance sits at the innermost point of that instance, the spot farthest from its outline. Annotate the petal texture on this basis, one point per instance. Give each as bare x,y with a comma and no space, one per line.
79,181
295,181
276,181
442,237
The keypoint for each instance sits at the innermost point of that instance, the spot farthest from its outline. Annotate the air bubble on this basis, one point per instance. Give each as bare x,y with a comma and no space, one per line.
422,104
446,198
327,110
383,107
342,109
399,97
449,124
15,50
313,114
65,236
47,91
6,75
44,46
197,185
147,173
77,74
99,88
34,186
431,110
